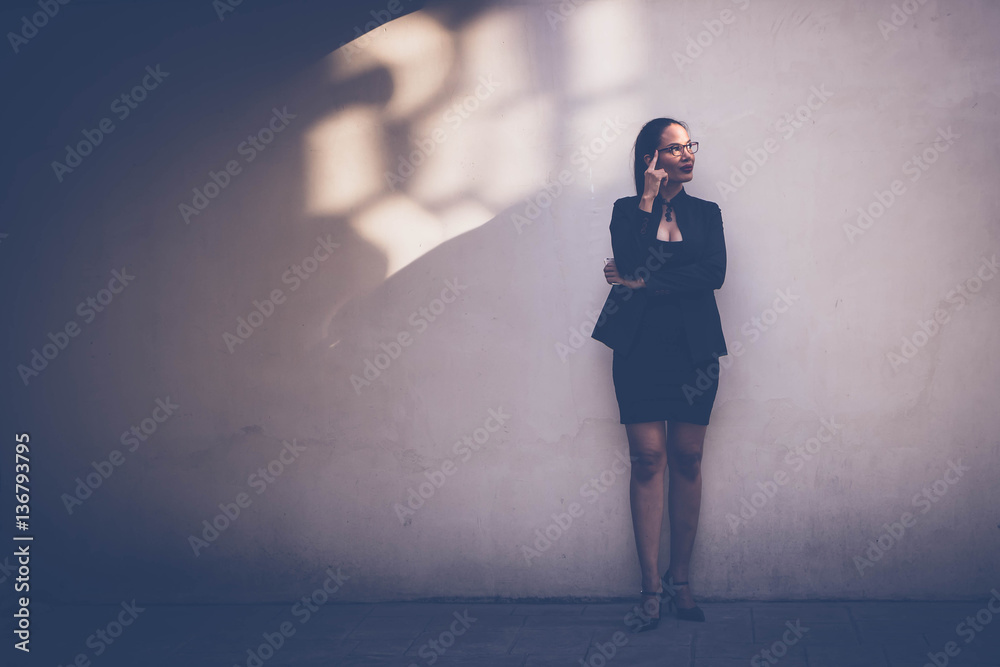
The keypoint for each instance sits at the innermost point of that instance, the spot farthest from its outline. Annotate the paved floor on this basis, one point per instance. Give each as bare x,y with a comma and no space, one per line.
817,634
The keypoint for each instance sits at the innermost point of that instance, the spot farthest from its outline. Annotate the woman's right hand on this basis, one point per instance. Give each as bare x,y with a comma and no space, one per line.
655,178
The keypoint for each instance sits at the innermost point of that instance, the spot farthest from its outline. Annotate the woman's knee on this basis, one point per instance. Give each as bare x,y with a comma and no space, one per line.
684,448
648,463
687,462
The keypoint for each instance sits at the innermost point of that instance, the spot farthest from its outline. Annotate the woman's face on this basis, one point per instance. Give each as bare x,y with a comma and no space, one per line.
681,167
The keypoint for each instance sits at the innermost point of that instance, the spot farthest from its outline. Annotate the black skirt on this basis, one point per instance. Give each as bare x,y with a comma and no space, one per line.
658,380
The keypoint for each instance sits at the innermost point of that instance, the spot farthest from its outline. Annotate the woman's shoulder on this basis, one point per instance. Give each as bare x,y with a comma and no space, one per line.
703,203
625,201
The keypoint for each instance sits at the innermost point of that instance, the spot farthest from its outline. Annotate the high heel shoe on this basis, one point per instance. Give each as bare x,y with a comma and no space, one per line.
644,620
683,613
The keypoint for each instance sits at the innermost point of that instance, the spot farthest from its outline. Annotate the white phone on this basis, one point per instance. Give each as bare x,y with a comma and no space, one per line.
610,259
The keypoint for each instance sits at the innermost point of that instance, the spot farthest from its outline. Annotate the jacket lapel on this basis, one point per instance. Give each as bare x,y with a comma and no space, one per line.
683,213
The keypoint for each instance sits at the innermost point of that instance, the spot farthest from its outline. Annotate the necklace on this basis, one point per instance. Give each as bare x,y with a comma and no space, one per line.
668,209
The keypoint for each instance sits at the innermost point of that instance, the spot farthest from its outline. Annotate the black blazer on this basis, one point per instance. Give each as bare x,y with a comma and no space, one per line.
633,242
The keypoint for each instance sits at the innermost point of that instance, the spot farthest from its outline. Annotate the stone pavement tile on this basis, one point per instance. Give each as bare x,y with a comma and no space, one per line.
917,661
194,625
681,632
560,641
845,656
378,626
290,653
974,653
609,609
554,621
369,661
385,635
418,608
787,661
562,609
458,619
551,660
807,612
967,638
739,632
663,635
490,661
314,650
386,644
344,611
905,655
473,644
716,612
879,632
670,655
812,633
501,623
325,630
717,647
224,653
911,611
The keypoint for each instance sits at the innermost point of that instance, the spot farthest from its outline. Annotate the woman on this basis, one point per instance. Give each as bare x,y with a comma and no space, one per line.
662,322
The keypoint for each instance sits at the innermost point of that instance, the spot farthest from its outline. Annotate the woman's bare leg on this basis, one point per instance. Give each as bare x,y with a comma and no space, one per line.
685,443
647,443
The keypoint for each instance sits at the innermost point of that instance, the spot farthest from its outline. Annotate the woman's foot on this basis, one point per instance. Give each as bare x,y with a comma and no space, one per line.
678,596
647,616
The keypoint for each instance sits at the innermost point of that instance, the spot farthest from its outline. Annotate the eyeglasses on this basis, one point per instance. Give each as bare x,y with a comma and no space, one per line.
676,149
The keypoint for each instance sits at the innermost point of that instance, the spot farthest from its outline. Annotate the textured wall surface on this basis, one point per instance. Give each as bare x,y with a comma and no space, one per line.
356,287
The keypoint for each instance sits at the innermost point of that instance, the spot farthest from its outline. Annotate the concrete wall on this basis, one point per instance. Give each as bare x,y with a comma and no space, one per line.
439,343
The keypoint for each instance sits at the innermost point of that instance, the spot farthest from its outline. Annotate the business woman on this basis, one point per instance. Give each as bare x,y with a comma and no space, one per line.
662,321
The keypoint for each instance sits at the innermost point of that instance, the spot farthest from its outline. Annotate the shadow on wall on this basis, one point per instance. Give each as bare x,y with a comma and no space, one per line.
250,239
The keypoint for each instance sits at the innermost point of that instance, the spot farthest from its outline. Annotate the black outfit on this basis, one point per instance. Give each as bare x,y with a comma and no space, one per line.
666,337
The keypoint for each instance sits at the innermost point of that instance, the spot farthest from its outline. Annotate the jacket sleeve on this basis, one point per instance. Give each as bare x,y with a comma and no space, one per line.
626,220
708,273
